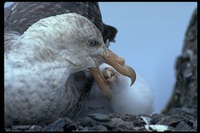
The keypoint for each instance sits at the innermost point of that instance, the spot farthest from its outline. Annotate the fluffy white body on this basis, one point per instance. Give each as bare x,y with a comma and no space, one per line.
136,99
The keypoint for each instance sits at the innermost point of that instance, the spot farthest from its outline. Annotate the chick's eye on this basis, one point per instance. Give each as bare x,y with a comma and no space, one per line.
93,43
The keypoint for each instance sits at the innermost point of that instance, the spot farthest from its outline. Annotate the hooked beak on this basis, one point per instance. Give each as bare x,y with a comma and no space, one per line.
118,64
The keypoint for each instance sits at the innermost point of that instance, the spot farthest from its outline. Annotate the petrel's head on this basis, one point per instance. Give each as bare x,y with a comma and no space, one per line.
74,39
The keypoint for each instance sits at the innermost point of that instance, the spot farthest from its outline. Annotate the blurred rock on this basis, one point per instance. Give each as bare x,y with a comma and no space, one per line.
62,124
99,117
176,120
185,89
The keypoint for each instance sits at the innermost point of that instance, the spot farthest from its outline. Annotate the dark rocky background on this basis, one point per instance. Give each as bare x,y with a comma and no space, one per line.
179,115
185,88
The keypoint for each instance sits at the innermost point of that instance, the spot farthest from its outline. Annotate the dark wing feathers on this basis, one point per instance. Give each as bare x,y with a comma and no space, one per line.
21,15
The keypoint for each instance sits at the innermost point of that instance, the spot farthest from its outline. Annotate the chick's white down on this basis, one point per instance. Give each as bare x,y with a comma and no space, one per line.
136,99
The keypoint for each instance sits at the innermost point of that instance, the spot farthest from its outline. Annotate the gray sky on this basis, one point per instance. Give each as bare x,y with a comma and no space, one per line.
150,38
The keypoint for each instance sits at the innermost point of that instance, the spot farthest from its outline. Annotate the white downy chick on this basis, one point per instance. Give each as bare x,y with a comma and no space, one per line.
136,99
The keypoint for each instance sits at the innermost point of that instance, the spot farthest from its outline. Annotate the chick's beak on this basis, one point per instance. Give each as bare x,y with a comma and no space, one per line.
118,64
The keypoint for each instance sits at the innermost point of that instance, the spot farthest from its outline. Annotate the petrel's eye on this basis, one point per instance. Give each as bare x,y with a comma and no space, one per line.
93,43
